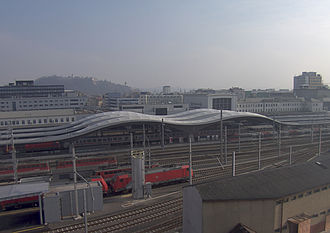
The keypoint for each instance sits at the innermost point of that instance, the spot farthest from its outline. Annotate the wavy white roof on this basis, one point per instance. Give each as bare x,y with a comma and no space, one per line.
108,119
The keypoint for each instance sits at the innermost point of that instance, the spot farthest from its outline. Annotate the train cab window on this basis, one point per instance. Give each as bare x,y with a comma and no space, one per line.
121,180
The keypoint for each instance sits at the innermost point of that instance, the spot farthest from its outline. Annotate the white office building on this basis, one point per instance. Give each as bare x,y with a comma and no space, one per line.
25,96
224,101
38,118
263,105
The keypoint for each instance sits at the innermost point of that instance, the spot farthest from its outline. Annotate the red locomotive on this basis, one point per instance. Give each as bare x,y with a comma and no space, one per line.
35,147
122,181
42,146
109,173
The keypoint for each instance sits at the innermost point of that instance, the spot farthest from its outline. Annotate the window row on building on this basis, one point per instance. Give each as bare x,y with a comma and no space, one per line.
301,195
37,121
42,103
279,107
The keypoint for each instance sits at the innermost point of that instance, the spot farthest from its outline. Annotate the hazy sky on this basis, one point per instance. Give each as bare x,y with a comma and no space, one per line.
182,43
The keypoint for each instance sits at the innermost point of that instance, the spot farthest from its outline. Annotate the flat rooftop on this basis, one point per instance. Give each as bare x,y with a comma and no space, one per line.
15,191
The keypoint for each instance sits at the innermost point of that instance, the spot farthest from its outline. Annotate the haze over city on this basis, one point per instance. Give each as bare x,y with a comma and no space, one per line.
188,44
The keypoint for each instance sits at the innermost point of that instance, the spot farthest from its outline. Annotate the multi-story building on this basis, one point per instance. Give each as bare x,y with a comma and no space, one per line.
273,105
269,93
308,80
24,96
161,99
146,103
166,90
38,118
224,101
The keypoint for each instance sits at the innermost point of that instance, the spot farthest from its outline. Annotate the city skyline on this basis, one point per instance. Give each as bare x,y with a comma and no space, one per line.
187,44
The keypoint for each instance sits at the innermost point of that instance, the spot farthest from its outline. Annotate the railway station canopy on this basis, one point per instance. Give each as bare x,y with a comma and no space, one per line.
15,191
95,122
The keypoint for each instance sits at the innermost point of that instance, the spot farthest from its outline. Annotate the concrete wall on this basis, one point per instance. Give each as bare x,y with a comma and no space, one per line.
223,216
52,208
192,210
61,204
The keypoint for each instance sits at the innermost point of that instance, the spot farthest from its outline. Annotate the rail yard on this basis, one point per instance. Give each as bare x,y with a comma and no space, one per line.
254,149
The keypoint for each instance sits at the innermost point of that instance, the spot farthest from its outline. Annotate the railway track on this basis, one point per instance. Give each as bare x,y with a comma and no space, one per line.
167,215
130,221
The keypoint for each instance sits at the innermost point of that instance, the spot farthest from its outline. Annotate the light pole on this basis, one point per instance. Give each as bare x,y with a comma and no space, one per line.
75,178
190,161
85,201
234,164
320,142
226,146
239,136
221,135
13,156
279,141
259,152
162,135
149,152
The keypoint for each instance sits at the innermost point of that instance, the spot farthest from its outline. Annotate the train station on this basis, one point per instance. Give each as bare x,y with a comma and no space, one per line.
152,156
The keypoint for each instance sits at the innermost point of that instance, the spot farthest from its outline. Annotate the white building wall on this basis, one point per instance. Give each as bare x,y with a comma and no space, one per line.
26,104
197,101
295,106
37,118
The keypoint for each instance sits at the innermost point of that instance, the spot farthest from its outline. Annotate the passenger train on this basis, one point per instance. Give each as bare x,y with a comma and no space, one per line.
56,167
116,181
